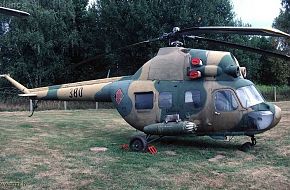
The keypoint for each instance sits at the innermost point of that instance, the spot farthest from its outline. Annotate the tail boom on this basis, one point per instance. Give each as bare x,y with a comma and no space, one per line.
93,90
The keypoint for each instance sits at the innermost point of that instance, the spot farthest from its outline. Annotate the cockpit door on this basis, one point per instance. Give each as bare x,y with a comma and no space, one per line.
227,113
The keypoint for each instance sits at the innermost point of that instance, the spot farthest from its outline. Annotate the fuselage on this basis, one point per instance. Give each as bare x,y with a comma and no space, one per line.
220,101
227,108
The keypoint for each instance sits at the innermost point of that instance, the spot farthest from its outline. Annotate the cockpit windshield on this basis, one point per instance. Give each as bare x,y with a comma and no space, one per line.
249,96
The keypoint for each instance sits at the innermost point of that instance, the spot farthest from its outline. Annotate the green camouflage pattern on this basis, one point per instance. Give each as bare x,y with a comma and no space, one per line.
168,72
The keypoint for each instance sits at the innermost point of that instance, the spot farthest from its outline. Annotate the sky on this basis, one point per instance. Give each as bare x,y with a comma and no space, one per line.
258,13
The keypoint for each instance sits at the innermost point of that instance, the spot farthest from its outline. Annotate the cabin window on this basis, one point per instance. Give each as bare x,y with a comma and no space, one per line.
144,100
165,100
225,101
192,98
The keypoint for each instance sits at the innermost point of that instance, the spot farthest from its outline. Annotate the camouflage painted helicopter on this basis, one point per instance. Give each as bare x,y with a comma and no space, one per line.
181,91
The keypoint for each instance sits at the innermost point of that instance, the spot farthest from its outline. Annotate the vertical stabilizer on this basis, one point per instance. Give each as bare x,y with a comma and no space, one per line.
16,84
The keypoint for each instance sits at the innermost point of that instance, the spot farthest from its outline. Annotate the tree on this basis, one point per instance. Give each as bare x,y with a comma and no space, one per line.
45,48
126,21
282,22
39,50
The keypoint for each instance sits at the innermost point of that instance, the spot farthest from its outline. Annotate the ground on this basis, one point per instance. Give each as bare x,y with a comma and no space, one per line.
52,150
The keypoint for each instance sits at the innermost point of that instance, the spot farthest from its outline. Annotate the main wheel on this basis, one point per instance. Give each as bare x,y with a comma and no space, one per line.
138,144
246,147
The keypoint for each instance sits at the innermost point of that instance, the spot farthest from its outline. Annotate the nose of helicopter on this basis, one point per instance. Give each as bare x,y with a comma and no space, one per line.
277,116
265,117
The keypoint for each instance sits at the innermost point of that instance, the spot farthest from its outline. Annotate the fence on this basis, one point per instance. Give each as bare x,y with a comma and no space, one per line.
9,100
24,105
275,93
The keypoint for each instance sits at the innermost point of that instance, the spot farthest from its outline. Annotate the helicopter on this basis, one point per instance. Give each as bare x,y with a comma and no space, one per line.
181,91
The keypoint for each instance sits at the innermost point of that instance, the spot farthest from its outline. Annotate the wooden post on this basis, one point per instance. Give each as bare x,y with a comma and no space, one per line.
97,105
65,105
30,105
275,94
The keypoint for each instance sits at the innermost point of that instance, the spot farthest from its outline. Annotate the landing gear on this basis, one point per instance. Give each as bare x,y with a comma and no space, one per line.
138,144
249,145
34,107
246,147
254,141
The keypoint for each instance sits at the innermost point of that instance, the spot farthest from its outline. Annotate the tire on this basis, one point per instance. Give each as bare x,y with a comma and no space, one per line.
138,144
246,147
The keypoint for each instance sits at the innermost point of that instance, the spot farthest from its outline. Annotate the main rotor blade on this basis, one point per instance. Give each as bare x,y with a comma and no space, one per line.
13,12
234,30
242,47
116,50
204,30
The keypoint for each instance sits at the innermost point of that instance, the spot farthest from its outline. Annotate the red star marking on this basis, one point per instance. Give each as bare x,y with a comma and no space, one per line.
119,96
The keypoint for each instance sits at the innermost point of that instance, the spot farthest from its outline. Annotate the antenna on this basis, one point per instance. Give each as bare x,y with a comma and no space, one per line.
108,75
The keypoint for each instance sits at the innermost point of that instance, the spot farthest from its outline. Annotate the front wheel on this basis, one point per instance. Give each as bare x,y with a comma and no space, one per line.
246,147
138,144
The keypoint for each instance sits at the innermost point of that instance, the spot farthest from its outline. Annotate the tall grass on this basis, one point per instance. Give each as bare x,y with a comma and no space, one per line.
282,92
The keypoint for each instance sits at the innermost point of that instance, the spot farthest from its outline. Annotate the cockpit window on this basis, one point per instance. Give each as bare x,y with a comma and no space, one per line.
249,96
225,101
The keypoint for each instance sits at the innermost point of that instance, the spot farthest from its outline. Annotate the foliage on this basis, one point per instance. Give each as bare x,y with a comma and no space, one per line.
44,49
283,22
38,50
127,22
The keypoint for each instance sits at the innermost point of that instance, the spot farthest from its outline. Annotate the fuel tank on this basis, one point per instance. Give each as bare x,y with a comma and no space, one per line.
171,128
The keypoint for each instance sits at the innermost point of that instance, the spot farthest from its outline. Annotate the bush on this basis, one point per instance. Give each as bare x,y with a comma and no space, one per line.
283,92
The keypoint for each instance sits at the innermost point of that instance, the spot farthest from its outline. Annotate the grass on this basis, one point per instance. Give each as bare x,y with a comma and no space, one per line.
52,150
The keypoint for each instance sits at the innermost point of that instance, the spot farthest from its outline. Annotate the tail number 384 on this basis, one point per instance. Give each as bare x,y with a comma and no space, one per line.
76,92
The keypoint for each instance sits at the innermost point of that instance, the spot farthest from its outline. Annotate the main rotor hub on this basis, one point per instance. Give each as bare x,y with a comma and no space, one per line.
176,44
176,29
173,39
